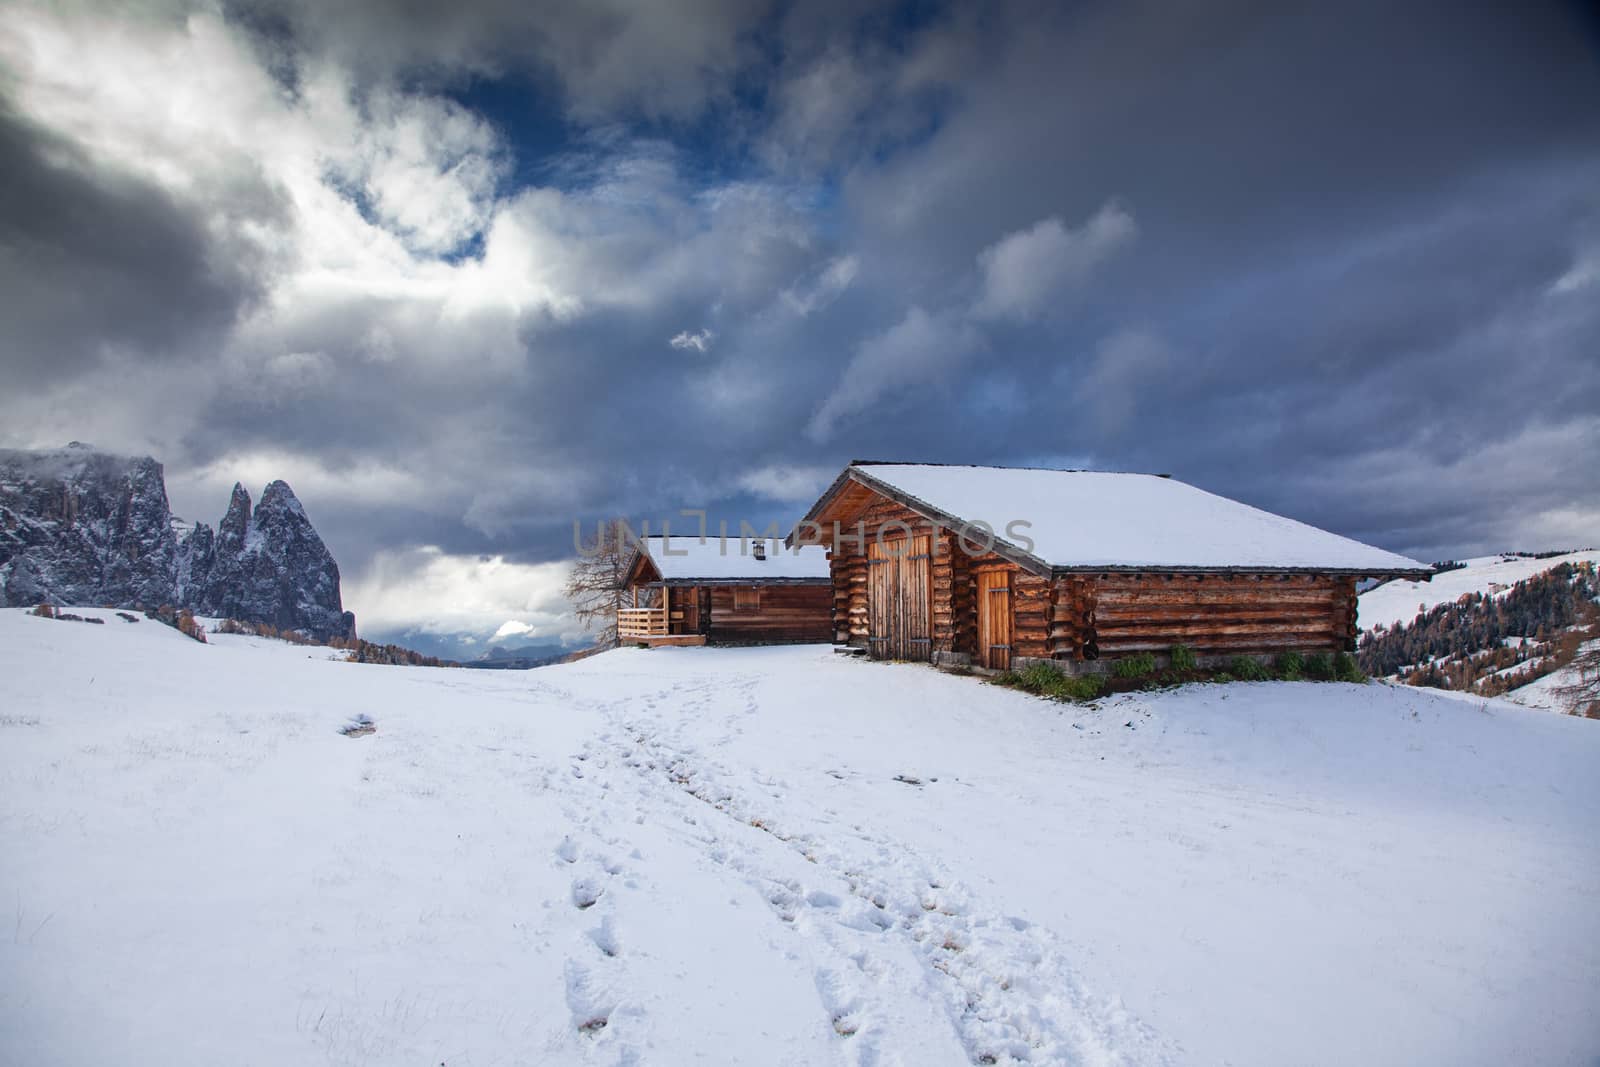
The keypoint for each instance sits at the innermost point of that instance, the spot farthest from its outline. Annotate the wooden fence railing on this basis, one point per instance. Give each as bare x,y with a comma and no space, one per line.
641,622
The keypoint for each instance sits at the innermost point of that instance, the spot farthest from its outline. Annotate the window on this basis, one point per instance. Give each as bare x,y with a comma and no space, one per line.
746,598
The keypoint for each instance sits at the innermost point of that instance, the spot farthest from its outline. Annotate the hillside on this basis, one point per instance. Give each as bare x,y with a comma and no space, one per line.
772,855
1497,626
1401,601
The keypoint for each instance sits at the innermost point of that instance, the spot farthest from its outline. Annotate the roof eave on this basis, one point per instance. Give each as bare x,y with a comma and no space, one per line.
679,582
1413,573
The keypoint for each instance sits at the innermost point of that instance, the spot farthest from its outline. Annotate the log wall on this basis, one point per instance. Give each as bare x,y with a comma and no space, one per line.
1122,614
785,613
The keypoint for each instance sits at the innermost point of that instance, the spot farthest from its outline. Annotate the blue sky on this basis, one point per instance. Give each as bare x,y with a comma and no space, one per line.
463,274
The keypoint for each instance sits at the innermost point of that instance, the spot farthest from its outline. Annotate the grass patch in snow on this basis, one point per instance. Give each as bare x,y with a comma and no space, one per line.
1141,666
1141,673
1046,681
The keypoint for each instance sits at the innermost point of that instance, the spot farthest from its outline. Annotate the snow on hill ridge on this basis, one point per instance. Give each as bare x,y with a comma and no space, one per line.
773,855
1398,601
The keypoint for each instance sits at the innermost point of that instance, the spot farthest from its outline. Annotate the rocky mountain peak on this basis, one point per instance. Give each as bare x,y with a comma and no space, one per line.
80,526
234,528
278,491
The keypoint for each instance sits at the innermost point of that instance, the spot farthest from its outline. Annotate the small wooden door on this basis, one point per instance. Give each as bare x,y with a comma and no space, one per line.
899,593
994,619
686,609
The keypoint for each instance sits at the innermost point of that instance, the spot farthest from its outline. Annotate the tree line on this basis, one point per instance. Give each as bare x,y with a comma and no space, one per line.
1491,643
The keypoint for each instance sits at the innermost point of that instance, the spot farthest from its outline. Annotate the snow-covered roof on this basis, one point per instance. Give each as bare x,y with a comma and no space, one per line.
1088,519
683,558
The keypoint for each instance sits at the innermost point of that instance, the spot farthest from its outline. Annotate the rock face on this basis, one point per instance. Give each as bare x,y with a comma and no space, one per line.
79,526
269,566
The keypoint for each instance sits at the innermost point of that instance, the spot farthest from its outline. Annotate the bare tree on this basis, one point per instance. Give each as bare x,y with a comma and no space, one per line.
595,583
1583,695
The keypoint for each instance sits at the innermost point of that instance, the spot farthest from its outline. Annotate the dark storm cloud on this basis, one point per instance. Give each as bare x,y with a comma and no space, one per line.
94,260
1342,262
1349,223
656,60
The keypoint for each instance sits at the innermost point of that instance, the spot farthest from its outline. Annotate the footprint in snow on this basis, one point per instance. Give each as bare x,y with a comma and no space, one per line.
841,1000
586,892
359,726
589,1000
605,938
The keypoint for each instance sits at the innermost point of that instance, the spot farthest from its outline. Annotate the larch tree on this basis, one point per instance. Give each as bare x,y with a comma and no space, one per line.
1583,695
595,583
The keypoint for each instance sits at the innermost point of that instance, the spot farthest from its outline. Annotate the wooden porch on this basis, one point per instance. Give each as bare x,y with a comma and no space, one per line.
654,626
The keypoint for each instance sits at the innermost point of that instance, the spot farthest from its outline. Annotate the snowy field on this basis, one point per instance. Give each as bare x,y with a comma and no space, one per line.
1402,601
772,856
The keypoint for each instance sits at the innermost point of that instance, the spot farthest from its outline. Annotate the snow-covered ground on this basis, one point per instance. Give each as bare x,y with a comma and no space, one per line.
1549,692
1402,601
772,856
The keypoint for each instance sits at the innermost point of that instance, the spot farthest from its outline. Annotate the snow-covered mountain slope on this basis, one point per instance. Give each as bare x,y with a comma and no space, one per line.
772,856
1551,691
1402,601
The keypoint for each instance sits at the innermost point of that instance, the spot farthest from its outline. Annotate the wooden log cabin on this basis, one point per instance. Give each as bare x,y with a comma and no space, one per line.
685,591
998,567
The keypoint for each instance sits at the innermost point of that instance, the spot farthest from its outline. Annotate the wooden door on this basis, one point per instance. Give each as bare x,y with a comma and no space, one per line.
686,608
899,622
994,619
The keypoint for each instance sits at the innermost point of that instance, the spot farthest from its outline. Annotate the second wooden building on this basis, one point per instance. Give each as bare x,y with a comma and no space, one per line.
724,590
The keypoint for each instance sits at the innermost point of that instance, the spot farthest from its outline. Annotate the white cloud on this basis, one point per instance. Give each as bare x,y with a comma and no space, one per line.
1584,272
820,108
700,341
430,167
201,494
818,292
1126,364
919,350
787,482
512,628
1024,271
430,590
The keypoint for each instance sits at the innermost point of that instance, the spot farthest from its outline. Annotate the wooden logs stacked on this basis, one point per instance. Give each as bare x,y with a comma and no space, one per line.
849,598
1072,620
942,569
1030,615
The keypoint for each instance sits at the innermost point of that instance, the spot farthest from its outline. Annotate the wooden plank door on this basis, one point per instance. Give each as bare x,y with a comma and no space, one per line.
880,599
899,616
687,605
994,619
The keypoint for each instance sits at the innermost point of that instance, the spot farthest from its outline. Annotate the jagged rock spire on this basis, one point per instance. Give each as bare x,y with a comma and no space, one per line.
78,526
